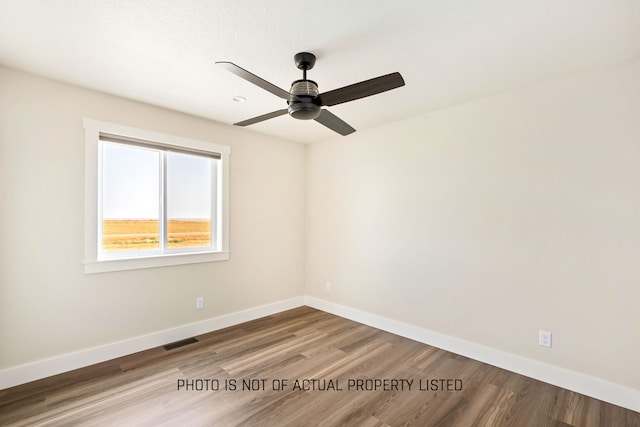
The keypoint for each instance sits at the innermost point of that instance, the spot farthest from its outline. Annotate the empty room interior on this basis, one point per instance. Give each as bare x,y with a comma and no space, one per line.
298,213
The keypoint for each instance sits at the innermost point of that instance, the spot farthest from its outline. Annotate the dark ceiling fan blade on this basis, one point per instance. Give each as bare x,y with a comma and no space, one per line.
334,123
361,90
252,78
262,118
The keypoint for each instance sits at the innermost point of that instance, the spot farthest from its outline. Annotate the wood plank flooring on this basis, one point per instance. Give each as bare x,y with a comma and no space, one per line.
236,377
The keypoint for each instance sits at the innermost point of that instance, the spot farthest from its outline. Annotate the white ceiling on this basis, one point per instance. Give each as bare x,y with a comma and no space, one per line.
449,51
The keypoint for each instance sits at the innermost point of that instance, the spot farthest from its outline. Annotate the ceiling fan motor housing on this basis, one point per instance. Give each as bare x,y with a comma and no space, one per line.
301,106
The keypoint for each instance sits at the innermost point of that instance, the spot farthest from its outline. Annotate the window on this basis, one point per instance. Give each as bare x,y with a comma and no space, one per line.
153,199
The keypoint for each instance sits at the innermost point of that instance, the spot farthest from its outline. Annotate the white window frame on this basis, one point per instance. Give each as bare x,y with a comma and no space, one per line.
92,260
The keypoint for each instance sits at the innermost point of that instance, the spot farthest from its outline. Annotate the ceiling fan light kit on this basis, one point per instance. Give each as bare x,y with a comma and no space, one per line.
301,105
305,101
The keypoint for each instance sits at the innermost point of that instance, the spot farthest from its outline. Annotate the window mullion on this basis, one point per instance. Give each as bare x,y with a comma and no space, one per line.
215,227
163,201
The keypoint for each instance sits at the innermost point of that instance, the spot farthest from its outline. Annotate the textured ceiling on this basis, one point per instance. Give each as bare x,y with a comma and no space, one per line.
449,51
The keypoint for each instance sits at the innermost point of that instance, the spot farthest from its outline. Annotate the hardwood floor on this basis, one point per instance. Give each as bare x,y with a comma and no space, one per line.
236,377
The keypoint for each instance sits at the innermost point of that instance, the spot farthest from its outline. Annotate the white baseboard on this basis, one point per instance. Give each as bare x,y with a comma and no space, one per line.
616,394
45,368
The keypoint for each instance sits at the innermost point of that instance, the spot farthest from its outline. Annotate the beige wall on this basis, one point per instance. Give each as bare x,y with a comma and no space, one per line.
491,220
48,306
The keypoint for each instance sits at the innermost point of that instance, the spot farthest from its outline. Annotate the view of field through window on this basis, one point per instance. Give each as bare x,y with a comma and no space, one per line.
144,234
134,180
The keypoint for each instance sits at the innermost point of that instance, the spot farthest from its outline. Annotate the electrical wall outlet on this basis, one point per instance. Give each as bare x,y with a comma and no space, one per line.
200,303
544,338
327,286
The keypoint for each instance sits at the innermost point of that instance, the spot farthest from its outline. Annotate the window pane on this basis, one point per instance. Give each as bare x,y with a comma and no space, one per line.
189,200
130,198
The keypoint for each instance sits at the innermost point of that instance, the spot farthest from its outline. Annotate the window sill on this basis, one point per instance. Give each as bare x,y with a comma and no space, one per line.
105,266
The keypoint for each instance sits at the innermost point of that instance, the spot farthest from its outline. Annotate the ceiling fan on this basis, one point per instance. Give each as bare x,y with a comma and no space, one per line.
304,99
